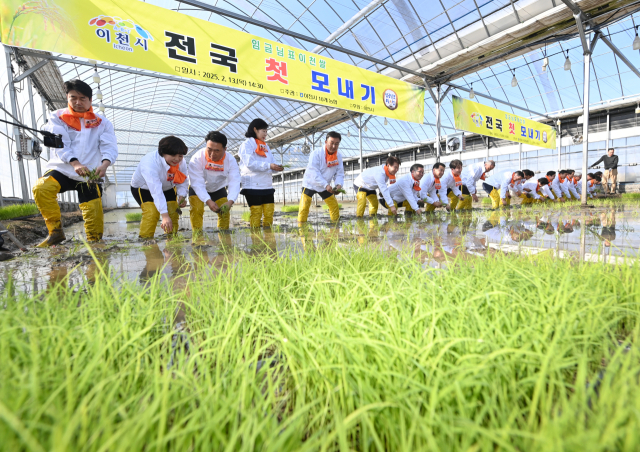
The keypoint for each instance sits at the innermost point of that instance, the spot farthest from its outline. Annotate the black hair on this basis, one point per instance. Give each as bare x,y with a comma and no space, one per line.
455,164
528,172
257,123
597,178
543,181
551,173
563,171
438,165
416,166
519,173
393,160
78,85
217,137
333,134
570,171
611,149
598,173
590,175
172,146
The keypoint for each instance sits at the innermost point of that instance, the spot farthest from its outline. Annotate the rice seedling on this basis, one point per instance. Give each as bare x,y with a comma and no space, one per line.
486,201
224,209
17,210
337,349
341,190
290,208
631,196
92,177
132,217
326,207
246,216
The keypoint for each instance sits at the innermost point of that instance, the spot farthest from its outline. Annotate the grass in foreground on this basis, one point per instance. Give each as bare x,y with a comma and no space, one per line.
133,216
290,208
363,352
17,210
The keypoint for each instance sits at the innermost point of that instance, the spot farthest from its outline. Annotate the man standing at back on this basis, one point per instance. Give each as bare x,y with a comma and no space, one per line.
610,171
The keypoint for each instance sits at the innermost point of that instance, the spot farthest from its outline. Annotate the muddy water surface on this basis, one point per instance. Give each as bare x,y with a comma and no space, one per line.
604,234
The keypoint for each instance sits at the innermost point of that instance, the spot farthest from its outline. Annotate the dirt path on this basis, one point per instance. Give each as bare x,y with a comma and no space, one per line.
31,231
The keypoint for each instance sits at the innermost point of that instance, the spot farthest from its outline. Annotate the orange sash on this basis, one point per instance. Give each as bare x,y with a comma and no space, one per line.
437,184
458,180
72,118
261,149
416,183
175,175
217,165
332,159
482,177
549,178
392,177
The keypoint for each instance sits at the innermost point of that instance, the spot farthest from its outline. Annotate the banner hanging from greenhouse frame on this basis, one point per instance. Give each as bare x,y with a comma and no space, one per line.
137,34
477,118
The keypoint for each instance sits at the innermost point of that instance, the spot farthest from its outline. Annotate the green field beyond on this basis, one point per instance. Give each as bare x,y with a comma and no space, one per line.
338,349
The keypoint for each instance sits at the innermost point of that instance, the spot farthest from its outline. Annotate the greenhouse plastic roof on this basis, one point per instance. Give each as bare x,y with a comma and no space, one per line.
479,43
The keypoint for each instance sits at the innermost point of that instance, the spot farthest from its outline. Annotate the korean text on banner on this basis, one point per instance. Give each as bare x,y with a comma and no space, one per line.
137,34
477,118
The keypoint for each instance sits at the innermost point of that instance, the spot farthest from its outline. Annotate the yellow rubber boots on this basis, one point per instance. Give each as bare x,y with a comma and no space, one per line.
149,222
172,208
93,219
373,204
196,214
45,194
224,219
267,211
334,207
255,216
303,210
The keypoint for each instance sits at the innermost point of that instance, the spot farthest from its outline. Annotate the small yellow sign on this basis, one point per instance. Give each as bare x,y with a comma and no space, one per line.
477,118
137,34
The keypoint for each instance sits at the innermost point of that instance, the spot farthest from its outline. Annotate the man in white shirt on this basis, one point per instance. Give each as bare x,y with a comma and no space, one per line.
536,191
470,175
160,186
211,171
559,187
452,184
430,184
570,187
406,191
324,166
379,177
89,144
498,185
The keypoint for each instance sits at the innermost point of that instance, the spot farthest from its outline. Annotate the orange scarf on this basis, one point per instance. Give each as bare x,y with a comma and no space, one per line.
217,165
261,149
482,177
332,159
561,180
175,175
592,182
72,118
391,177
458,180
437,184
416,183
549,178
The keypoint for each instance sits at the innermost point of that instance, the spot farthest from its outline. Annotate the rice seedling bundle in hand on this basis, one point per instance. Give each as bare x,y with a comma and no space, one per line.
92,176
341,190
224,209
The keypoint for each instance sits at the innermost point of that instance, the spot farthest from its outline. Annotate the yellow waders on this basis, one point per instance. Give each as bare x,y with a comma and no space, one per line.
465,204
334,208
362,199
526,200
255,216
45,194
453,200
93,218
172,208
149,222
495,199
196,214
267,210
303,210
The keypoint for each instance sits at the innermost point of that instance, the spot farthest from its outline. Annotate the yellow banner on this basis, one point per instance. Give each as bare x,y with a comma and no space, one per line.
133,33
477,118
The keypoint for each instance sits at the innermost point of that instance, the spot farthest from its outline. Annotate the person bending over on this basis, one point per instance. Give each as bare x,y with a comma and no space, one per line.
406,191
380,178
470,176
430,185
499,184
160,186
211,170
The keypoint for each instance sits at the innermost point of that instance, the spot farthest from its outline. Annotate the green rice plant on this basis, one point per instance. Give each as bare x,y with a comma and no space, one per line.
290,208
92,176
131,217
486,201
342,190
17,210
246,216
224,209
630,196
336,349
326,207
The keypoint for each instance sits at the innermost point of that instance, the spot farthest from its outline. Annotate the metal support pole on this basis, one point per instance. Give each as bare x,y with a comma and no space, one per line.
520,156
34,124
284,198
16,131
585,122
559,144
360,143
608,133
438,89
45,119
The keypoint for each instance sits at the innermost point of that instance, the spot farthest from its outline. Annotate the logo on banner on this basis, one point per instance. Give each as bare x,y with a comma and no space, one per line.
123,34
390,99
477,119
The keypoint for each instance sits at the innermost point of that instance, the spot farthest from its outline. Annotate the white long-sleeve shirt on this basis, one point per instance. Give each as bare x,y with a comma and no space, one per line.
428,188
375,178
559,188
255,171
472,174
151,174
403,190
319,174
89,146
502,181
206,177
570,187
448,181
578,186
532,186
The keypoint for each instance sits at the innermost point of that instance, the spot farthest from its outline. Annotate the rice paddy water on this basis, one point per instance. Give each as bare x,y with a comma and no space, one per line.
506,330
